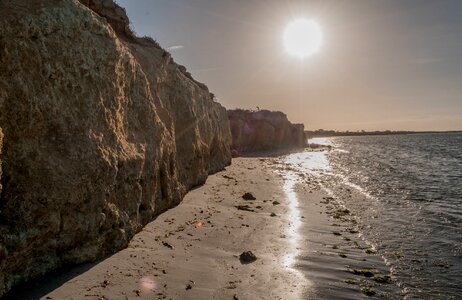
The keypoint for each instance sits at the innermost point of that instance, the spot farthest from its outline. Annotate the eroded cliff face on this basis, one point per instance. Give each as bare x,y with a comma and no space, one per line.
254,131
1,147
102,132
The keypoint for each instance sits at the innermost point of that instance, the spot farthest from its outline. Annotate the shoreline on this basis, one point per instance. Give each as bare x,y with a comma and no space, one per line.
192,251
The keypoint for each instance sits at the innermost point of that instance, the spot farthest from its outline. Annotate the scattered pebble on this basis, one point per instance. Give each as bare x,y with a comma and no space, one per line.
244,207
363,272
382,278
105,283
368,291
248,196
351,281
370,251
247,257
168,245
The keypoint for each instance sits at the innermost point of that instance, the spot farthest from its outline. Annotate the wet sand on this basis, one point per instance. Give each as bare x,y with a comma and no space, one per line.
305,248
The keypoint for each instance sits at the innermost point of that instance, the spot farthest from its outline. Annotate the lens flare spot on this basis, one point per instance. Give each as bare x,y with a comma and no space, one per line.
148,284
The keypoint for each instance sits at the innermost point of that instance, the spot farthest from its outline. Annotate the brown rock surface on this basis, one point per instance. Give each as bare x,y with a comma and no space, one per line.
254,131
1,147
102,132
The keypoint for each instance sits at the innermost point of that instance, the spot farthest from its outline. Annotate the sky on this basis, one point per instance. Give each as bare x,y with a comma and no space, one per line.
382,65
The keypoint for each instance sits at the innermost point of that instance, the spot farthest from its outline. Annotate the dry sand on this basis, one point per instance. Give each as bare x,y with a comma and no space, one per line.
192,251
306,246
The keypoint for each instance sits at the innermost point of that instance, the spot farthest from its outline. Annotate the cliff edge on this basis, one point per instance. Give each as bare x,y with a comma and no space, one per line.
102,132
263,130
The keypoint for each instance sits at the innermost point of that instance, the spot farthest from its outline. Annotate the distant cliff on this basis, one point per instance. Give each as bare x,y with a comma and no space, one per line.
263,130
102,132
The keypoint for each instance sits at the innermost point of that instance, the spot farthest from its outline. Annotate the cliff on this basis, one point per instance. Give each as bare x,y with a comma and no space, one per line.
1,147
263,131
102,132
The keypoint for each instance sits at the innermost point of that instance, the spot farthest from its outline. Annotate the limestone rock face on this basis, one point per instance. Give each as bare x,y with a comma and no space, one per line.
1,147
263,131
102,131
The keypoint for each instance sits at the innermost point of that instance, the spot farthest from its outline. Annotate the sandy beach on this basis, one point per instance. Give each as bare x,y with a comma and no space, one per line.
305,247
230,150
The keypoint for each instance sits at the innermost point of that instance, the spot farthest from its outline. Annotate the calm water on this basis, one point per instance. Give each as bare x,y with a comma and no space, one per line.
412,205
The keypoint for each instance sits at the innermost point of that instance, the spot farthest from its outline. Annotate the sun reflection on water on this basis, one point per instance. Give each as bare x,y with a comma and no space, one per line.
290,179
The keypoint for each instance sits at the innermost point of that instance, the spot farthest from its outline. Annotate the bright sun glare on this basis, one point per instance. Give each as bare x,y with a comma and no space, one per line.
302,38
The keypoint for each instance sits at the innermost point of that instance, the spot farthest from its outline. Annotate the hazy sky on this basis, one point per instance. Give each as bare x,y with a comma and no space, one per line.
383,64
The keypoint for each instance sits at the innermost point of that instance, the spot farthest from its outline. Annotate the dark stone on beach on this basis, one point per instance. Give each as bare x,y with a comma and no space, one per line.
244,207
340,213
247,257
276,203
382,278
168,245
370,251
105,283
248,196
441,264
273,214
363,272
231,285
368,291
351,281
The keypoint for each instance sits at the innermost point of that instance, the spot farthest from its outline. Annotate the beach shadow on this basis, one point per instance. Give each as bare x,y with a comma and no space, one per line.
40,287
271,153
282,152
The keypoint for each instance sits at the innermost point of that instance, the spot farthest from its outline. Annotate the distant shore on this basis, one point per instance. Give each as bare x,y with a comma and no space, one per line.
301,237
332,133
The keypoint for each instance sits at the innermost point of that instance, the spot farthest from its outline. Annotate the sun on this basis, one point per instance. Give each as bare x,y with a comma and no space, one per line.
302,38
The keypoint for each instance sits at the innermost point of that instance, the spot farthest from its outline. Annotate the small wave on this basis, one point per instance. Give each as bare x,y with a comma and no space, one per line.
344,180
309,162
321,141
340,150
416,216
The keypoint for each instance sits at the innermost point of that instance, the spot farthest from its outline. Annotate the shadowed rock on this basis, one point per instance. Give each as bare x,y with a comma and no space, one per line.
255,131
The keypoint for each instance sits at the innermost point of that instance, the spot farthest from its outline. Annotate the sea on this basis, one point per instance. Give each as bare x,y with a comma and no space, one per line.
411,209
